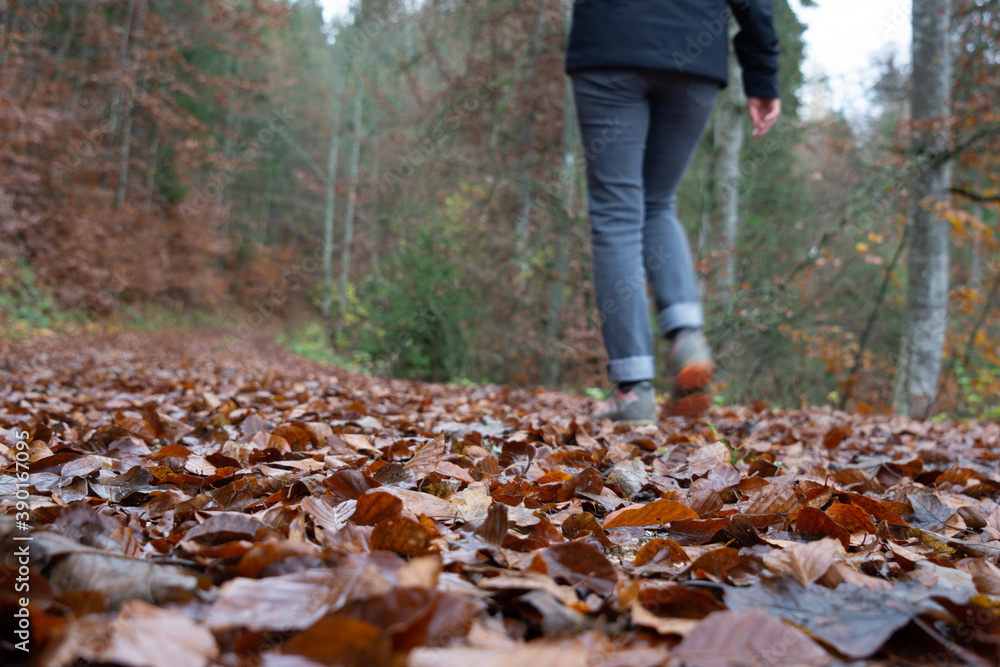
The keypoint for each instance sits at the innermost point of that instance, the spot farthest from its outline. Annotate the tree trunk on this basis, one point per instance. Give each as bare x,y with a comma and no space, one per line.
116,99
154,150
563,219
123,154
234,125
376,223
352,202
126,117
522,220
331,197
64,48
728,144
927,285
82,58
7,16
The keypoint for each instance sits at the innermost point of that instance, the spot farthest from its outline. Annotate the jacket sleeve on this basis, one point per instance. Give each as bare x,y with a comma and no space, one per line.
757,46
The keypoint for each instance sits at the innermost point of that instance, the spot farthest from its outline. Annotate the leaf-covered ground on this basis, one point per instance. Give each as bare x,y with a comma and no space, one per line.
197,502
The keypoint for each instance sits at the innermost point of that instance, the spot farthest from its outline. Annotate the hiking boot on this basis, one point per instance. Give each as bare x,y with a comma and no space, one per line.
635,406
692,370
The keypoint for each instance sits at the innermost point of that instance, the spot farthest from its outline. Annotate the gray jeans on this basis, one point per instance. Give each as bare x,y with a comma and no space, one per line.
639,129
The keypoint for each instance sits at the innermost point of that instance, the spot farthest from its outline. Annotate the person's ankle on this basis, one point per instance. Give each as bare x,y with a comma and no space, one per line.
625,387
674,333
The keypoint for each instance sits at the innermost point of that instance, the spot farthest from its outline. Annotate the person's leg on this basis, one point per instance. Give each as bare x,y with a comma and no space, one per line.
680,108
613,112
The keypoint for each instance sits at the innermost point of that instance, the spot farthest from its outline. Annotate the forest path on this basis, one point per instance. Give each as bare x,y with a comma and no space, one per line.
228,502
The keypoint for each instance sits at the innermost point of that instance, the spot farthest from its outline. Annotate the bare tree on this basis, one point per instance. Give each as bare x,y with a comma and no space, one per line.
728,145
352,199
927,287
330,179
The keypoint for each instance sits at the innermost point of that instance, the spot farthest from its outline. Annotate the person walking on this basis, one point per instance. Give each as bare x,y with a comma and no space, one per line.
645,77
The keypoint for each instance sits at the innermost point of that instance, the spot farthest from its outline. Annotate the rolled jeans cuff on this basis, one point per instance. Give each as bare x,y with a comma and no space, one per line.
681,316
631,369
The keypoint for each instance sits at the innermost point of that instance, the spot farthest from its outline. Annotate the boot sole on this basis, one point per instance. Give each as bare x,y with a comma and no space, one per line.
691,394
636,422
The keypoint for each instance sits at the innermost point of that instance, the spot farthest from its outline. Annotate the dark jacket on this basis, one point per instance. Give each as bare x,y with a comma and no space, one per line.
680,35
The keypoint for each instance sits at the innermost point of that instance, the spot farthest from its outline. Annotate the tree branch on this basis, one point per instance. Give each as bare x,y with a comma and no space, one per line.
309,160
973,195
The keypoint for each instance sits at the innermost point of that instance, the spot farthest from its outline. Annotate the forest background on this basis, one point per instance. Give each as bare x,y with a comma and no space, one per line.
401,192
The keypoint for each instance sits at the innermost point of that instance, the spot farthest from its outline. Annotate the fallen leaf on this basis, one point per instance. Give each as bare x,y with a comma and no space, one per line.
814,522
426,457
805,563
401,535
374,506
658,549
140,635
855,621
655,513
729,638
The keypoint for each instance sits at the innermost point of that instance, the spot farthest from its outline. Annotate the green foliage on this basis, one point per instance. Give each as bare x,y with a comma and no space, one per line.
976,388
310,342
27,307
420,316
156,316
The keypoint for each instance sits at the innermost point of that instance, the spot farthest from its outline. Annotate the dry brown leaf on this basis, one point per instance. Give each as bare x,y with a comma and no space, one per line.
658,549
815,522
805,563
680,627
655,513
374,506
530,654
729,638
426,457
328,518
401,535
773,499
853,519
842,573
141,635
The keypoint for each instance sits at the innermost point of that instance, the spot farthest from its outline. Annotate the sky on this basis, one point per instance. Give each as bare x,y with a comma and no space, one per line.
843,40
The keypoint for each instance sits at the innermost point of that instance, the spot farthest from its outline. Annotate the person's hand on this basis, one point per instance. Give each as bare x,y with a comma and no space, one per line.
764,113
